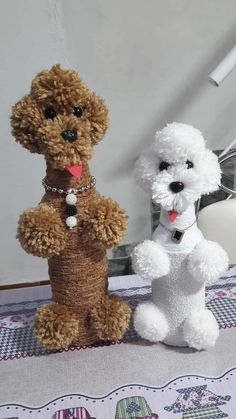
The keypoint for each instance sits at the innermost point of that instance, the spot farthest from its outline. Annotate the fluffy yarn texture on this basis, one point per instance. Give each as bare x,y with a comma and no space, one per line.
161,192
146,168
110,317
200,261
62,119
176,145
41,231
177,169
61,90
150,261
177,142
201,330
55,326
150,323
105,223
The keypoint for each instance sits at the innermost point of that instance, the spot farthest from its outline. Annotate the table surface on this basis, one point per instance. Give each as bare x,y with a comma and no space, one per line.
33,382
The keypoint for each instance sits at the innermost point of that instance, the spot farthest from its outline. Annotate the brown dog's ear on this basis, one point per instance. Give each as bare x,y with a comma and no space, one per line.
98,117
25,121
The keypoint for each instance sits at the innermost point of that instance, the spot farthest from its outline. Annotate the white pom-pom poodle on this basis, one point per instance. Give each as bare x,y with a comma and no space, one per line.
177,169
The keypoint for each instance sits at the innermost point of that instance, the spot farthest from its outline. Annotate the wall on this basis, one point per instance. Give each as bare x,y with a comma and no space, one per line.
148,59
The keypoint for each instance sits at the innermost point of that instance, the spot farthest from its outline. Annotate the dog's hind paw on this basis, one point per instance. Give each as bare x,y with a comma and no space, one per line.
55,327
150,323
110,317
201,330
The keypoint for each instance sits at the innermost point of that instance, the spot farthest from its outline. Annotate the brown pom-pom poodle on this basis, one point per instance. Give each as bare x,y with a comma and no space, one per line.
73,225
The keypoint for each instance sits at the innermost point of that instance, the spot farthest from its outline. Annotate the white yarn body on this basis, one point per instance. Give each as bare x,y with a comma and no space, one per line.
178,294
176,313
178,169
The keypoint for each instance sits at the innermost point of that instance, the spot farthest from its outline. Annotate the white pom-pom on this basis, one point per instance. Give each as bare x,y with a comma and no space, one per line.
150,323
71,199
150,260
71,222
201,330
207,262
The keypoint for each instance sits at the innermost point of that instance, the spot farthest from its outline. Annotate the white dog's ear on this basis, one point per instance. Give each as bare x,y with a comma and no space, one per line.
146,169
210,169
157,133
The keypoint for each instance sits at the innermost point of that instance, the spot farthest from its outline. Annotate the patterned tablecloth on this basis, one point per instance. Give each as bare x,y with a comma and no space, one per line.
16,319
187,396
184,397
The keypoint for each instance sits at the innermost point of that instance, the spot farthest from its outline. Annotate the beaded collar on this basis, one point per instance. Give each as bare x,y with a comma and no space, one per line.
83,188
71,199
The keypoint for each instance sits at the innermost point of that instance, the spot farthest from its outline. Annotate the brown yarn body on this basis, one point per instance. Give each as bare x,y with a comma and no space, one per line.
78,275
81,312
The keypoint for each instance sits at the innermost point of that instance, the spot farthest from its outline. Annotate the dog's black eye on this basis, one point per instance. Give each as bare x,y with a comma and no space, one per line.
78,111
164,165
50,113
189,164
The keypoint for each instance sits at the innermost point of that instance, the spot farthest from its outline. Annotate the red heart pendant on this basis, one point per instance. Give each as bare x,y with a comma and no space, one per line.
75,170
172,215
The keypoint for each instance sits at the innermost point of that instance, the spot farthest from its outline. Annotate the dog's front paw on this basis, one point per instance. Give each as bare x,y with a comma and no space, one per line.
207,261
104,225
150,261
41,232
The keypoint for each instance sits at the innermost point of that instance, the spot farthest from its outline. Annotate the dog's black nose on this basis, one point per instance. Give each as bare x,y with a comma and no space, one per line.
69,135
176,186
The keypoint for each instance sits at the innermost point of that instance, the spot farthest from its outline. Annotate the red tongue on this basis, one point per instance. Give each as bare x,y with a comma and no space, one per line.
172,215
75,170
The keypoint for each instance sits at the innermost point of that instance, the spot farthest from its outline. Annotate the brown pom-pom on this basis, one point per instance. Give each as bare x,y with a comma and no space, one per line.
62,153
110,317
62,91
55,327
41,231
97,114
60,85
26,120
105,223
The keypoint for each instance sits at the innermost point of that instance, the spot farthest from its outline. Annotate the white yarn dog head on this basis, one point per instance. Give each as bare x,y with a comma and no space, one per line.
178,168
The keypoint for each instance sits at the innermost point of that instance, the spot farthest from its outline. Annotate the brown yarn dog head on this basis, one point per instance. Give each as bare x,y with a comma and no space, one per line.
60,118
